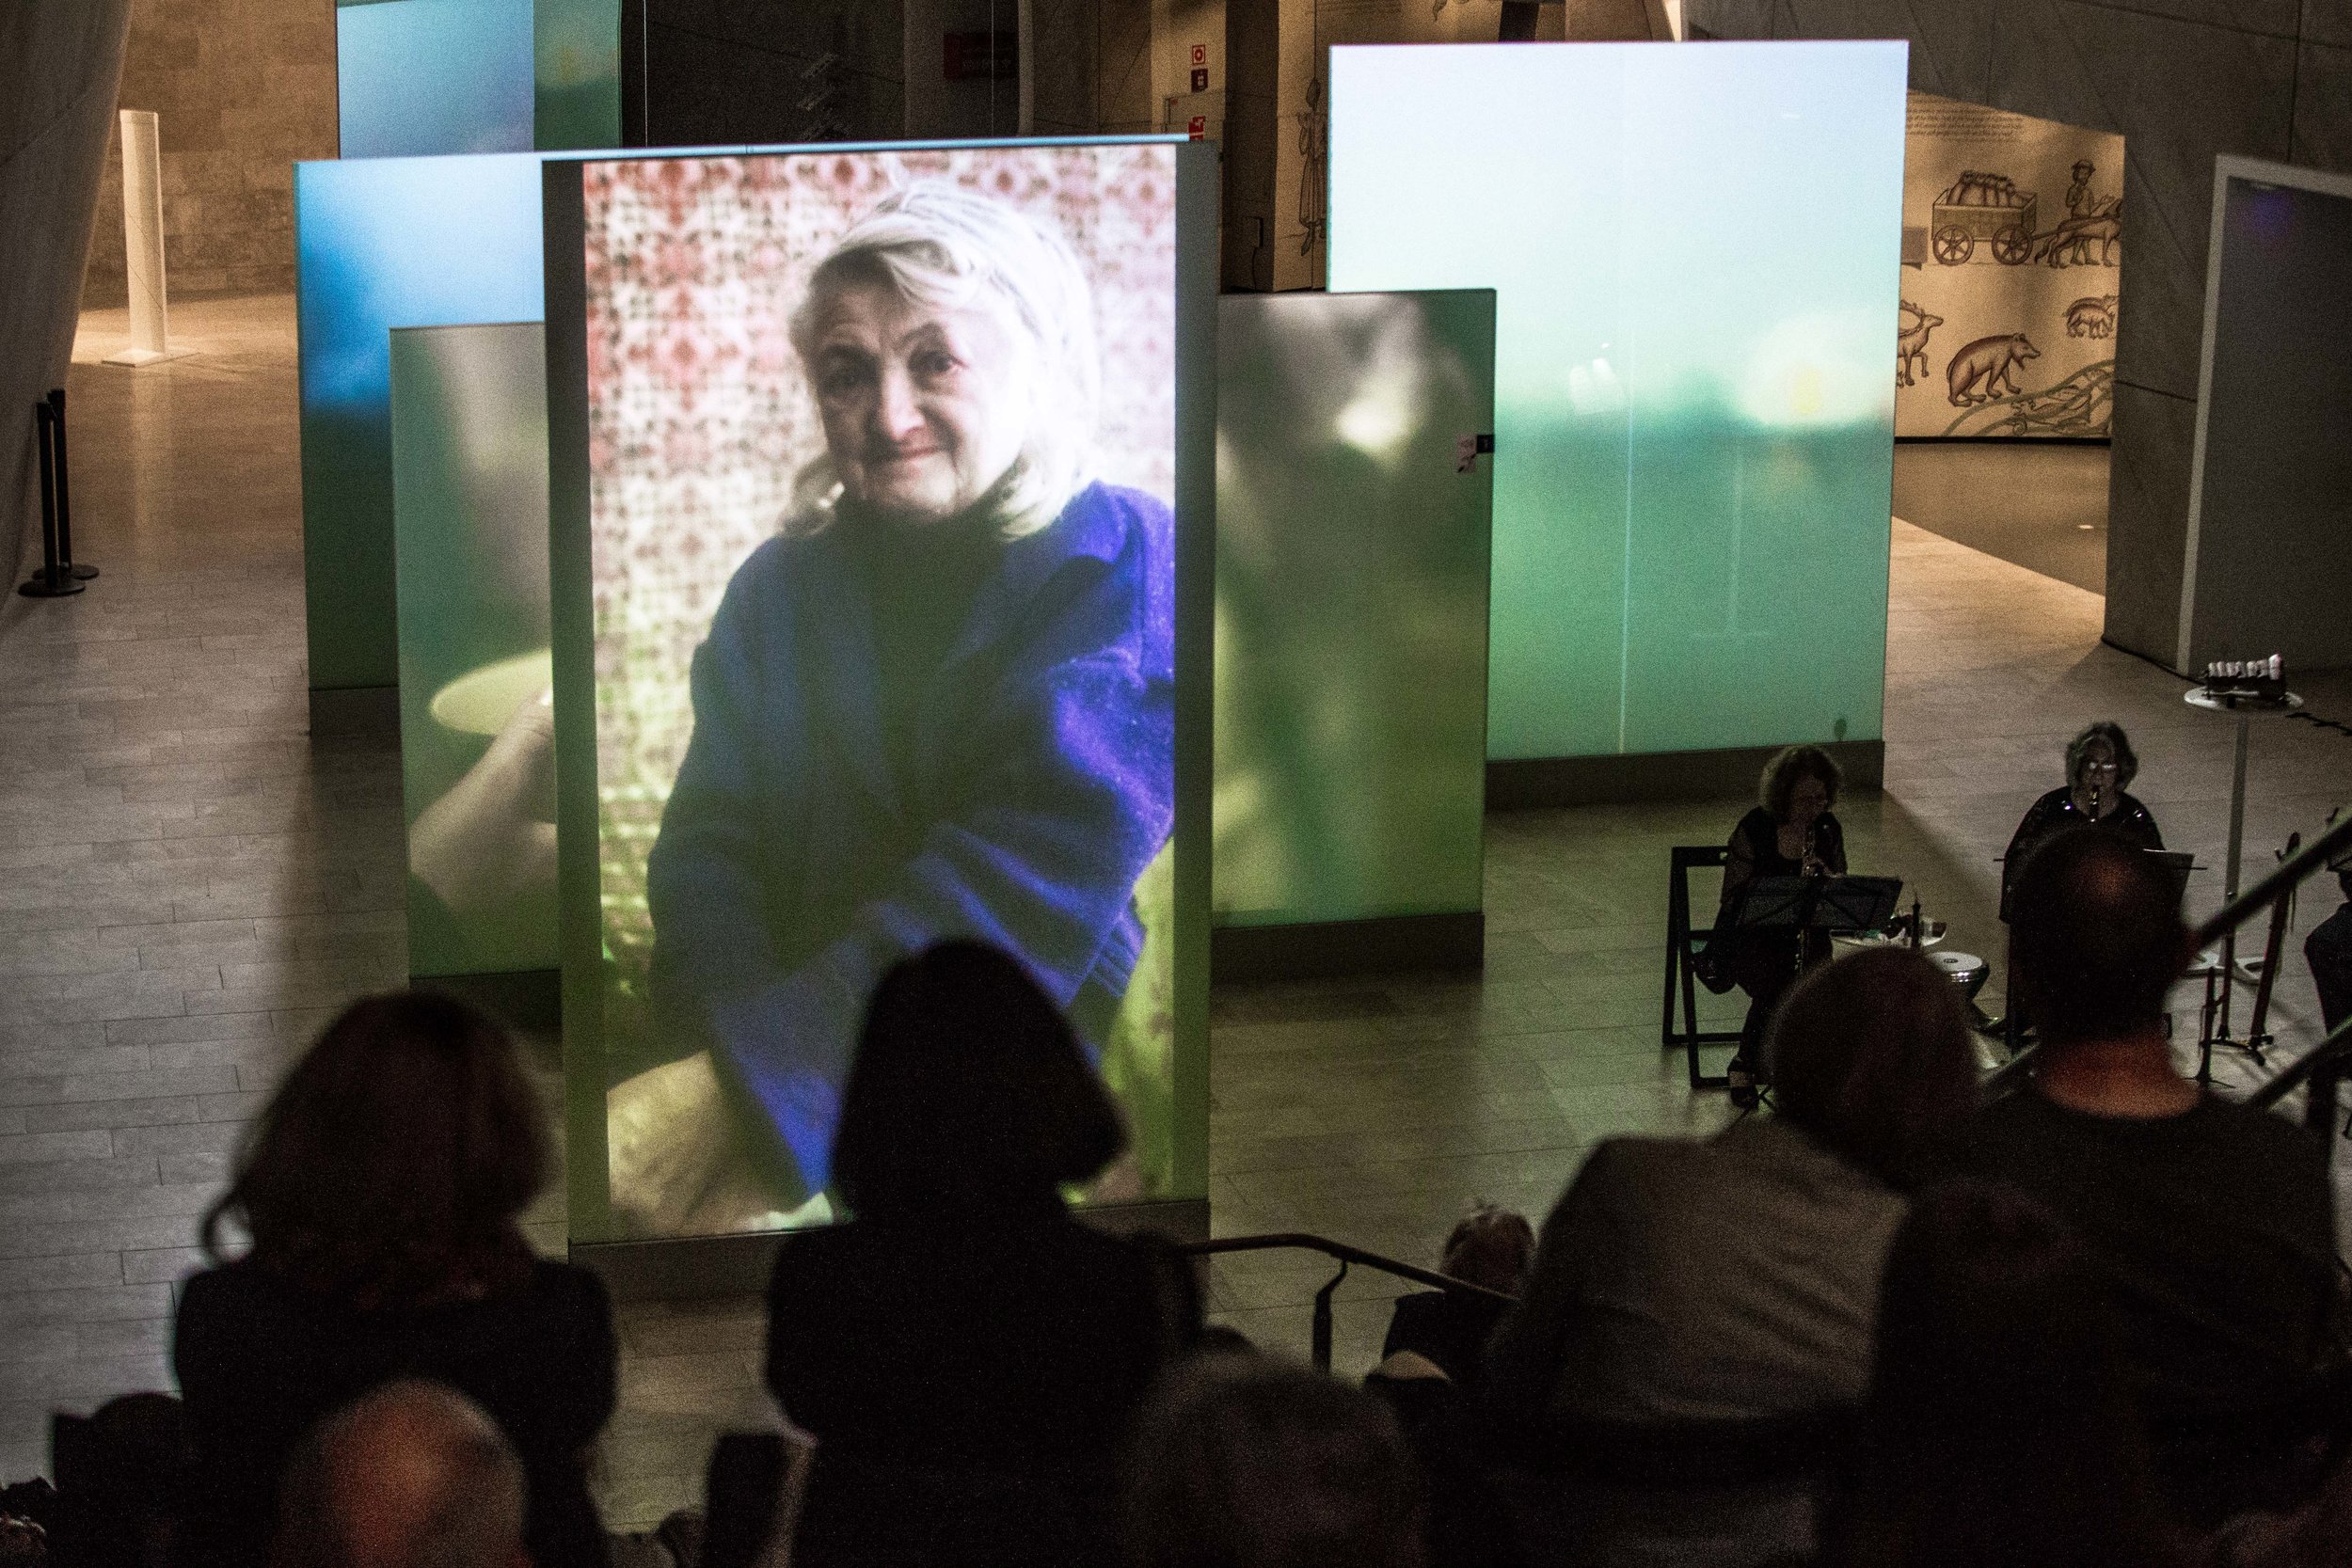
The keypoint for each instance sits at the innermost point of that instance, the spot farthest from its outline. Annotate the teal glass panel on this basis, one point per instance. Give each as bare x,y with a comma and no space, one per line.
1352,536
1029,766
1695,253
577,73
383,243
477,729
419,77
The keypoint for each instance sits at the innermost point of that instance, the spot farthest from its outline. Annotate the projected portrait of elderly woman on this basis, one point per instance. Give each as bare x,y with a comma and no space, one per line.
940,702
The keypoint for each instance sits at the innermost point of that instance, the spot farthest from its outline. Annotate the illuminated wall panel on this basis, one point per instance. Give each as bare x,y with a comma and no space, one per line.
1351,586
417,77
575,73
382,243
1695,252
477,733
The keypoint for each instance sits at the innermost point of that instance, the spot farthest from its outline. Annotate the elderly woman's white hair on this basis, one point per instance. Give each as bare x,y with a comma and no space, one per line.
944,247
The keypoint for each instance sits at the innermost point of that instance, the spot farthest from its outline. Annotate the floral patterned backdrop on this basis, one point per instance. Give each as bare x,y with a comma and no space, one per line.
699,417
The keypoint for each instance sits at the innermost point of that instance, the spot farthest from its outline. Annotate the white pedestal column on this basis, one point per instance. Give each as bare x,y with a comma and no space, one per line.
143,242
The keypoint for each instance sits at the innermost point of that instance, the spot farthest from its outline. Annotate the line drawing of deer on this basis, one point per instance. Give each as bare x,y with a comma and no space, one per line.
1911,342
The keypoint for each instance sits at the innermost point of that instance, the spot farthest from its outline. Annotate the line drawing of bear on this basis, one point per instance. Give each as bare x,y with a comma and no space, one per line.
1981,371
1911,342
2092,316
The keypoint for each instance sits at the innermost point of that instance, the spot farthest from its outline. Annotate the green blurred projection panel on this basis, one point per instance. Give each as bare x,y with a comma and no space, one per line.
1695,253
470,522
1351,604
575,73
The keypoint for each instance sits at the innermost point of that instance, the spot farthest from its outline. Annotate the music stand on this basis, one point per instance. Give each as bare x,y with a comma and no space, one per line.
1817,903
2177,864
1824,904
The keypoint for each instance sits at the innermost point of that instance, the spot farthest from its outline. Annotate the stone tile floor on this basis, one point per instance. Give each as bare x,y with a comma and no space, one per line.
191,881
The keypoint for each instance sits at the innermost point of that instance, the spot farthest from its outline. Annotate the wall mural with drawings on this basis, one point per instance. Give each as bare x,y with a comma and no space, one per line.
2013,241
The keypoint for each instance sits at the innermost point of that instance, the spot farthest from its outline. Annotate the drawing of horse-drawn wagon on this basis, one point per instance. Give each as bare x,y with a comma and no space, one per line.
1983,211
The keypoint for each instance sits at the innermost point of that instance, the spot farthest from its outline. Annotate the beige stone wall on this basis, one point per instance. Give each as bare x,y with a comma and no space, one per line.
242,90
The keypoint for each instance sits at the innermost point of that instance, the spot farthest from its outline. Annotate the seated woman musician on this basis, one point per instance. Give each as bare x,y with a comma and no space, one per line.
2100,767
1792,832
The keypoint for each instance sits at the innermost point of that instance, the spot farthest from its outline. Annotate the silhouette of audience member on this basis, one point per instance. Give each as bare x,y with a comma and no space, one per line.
412,1474
1998,1434
968,1355
1247,1462
1681,1287
381,1189
1489,1247
2328,949
2211,1223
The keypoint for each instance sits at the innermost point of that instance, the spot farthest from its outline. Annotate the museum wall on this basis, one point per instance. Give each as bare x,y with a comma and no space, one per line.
698,72
241,89
2012,236
2180,81
58,65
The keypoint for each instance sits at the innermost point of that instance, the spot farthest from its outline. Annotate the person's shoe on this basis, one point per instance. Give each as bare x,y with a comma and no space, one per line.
1741,1080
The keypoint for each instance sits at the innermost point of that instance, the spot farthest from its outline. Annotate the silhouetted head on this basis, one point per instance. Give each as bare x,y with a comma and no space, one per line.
412,1474
1490,1246
1247,1462
1870,1058
1799,785
392,1164
2095,937
1997,1433
968,1087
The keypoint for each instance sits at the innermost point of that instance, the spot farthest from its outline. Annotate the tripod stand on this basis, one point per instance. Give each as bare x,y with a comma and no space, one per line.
2220,979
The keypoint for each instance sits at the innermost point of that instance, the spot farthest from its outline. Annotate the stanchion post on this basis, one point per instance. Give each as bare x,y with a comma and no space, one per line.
53,580
65,493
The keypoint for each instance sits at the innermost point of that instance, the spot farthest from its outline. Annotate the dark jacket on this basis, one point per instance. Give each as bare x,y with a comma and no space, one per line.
260,1361
970,1379
2054,813
2328,951
838,811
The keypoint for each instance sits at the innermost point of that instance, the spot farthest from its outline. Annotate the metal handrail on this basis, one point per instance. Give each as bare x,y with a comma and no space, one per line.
2329,1055
1346,1255
2333,1053
2292,873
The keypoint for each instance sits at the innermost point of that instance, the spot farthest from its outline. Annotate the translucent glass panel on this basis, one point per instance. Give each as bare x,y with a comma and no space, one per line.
1351,588
417,77
1695,254
477,733
577,72
380,244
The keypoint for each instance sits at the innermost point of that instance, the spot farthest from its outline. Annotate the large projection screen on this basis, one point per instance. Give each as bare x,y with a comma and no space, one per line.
477,733
870,629
419,77
1352,528
385,243
1695,252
